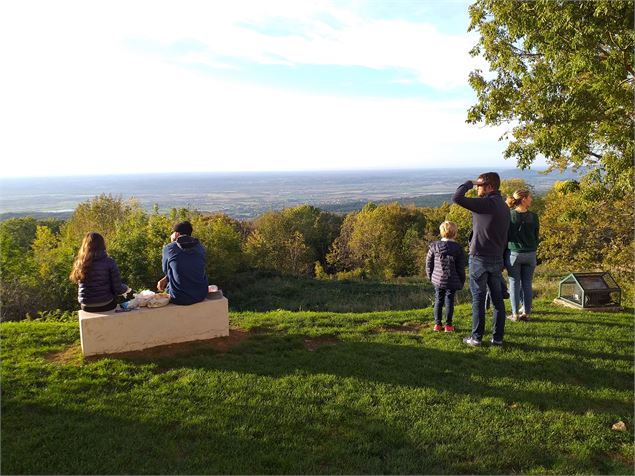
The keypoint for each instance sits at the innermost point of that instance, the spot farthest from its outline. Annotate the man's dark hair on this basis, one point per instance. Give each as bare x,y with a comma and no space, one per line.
490,178
184,228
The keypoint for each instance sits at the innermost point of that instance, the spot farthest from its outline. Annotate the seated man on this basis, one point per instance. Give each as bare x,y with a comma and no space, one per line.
184,266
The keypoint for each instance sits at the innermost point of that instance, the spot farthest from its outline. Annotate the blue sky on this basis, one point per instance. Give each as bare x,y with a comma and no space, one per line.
154,86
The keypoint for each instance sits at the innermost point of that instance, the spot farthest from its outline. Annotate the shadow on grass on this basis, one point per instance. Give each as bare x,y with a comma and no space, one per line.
245,437
574,352
553,384
54,440
578,321
564,337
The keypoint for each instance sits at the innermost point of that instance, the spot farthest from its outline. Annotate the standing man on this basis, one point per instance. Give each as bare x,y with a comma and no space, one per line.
490,223
184,267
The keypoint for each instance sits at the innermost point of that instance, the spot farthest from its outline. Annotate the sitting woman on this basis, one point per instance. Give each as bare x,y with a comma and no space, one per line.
97,275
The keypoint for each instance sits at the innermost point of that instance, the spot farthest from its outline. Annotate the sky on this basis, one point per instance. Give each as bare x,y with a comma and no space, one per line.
107,87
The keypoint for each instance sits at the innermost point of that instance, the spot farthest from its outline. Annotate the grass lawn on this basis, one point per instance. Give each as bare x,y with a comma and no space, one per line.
307,392
262,291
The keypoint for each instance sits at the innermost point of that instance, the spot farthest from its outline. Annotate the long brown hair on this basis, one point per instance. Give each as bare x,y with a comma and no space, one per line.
514,200
92,245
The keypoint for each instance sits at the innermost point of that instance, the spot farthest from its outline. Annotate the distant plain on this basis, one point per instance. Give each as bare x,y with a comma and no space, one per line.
246,195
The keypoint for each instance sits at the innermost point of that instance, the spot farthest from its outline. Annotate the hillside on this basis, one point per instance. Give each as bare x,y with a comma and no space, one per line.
307,392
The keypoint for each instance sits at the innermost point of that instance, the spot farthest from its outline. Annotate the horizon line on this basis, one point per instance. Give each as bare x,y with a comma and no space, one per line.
246,172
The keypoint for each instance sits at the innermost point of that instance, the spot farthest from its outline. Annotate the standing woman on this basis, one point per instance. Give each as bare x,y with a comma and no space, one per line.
97,275
522,243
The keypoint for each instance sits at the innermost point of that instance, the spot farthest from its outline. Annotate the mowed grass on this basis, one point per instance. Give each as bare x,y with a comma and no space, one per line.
308,393
261,292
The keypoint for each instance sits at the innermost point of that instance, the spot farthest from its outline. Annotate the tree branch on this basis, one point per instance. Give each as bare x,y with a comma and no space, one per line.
523,53
605,54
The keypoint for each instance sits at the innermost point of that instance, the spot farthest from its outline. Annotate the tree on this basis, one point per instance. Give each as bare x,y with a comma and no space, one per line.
33,271
277,244
16,237
53,257
562,74
383,240
100,214
136,246
340,257
318,228
582,230
291,240
223,247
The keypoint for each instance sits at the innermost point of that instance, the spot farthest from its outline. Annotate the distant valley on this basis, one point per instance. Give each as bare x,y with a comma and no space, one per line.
247,195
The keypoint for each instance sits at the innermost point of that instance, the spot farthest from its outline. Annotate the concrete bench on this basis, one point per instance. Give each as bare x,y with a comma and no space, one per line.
114,332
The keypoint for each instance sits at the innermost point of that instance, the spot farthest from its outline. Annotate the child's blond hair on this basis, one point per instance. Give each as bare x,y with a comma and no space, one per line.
448,229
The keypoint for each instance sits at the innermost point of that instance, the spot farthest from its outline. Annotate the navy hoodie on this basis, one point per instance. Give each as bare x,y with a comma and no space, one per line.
490,221
184,265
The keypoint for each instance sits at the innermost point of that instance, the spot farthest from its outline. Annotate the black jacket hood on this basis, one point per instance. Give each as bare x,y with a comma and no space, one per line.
186,242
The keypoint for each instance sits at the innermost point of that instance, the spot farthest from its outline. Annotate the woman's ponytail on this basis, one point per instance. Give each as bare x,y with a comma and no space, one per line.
514,200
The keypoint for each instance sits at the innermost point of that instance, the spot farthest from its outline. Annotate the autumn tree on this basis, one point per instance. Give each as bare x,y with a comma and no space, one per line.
292,240
221,238
100,214
383,240
582,230
561,75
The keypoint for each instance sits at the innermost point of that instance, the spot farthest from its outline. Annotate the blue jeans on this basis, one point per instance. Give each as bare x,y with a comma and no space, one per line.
504,291
443,296
485,272
521,274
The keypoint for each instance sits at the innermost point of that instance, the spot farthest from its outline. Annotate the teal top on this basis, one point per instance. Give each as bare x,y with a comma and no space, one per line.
523,233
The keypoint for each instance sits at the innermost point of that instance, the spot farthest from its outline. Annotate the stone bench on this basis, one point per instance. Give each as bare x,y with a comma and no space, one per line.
115,332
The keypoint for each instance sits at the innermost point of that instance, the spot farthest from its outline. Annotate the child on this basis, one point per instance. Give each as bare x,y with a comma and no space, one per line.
445,267
97,275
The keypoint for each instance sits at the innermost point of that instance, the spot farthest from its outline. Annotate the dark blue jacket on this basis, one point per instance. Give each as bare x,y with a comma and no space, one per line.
102,282
184,265
490,221
445,265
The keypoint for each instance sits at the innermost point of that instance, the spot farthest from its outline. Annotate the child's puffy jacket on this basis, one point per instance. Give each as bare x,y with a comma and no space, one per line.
445,264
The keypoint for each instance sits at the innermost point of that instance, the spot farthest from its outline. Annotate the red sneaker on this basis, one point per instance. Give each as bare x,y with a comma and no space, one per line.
449,328
437,328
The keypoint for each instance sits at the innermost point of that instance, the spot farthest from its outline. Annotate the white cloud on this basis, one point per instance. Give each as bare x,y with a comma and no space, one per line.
438,60
76,100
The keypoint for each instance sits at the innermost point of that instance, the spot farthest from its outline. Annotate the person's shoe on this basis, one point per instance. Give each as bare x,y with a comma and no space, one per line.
449,328
437,328
496,342
524,317
471,341
513,317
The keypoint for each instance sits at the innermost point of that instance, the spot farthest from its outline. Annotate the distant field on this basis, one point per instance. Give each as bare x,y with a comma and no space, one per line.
247,195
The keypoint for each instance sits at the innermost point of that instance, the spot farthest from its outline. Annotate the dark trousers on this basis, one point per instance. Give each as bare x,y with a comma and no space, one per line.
106,307
443,297
485,273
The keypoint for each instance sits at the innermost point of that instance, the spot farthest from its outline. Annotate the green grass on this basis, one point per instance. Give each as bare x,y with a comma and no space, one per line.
369,402
263,291
267,292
